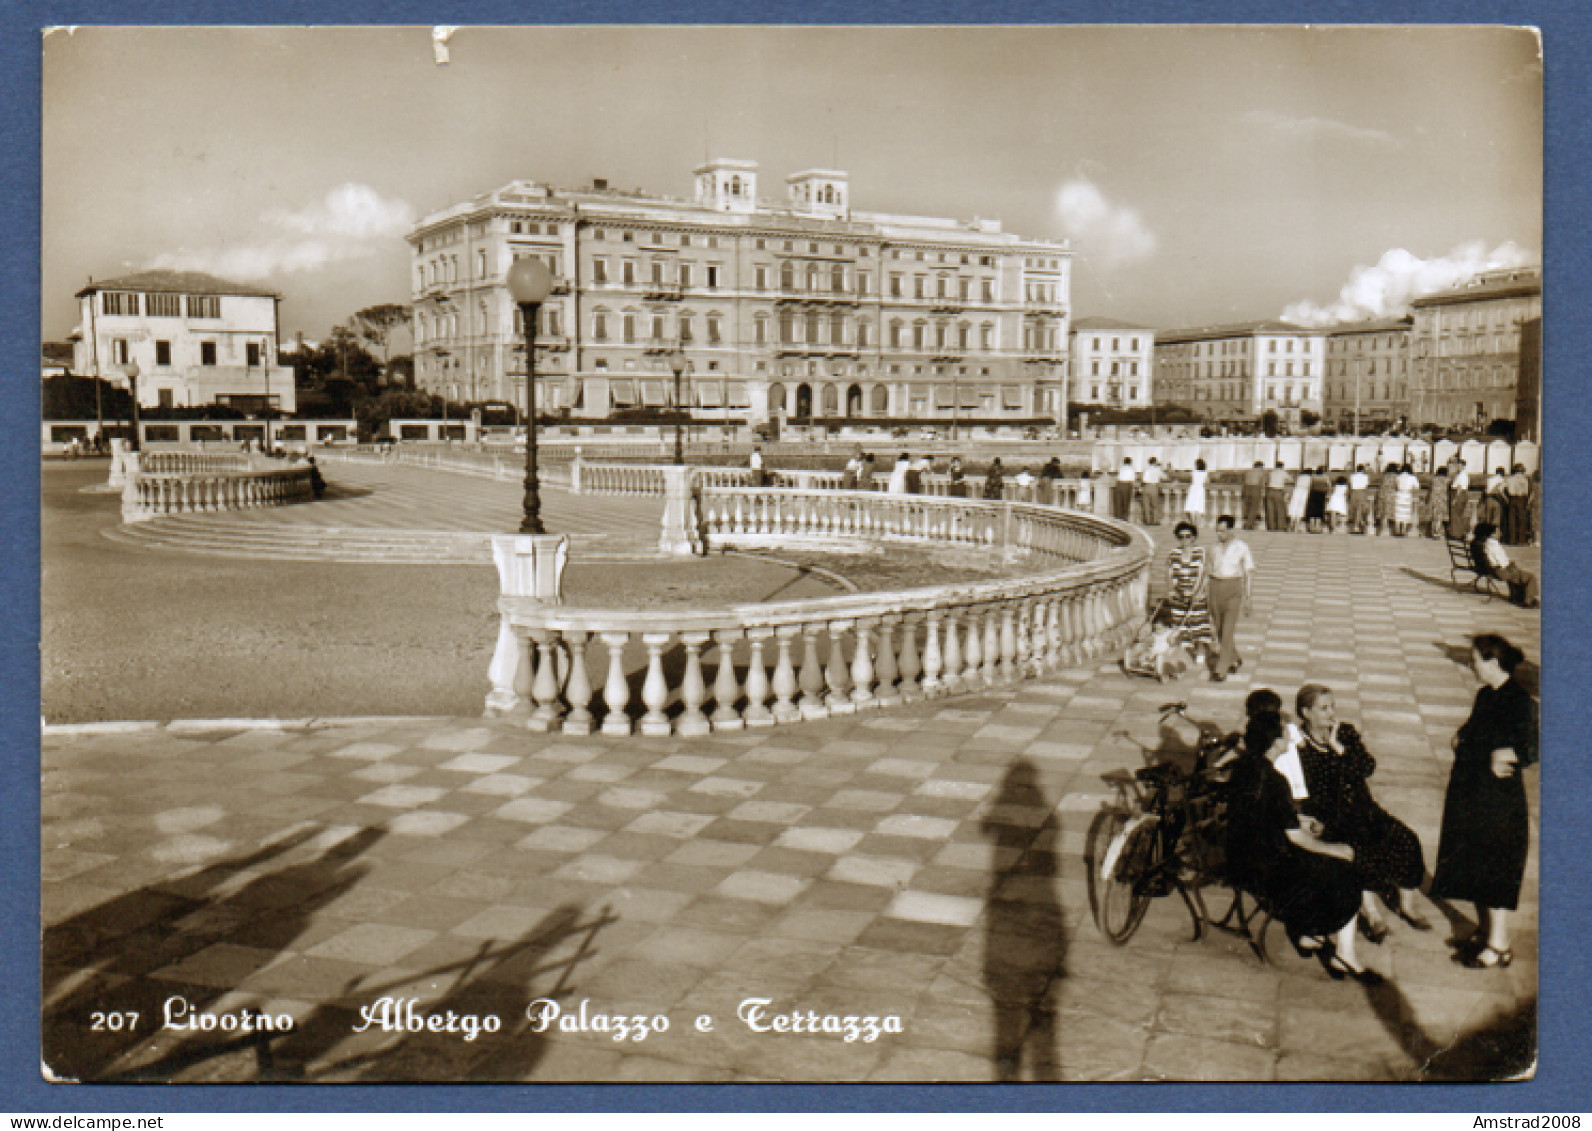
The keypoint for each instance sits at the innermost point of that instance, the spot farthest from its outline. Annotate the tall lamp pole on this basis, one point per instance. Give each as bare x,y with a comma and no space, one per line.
131,369
530,282
679,364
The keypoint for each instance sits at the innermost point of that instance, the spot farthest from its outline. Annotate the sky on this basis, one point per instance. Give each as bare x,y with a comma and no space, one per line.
1202,175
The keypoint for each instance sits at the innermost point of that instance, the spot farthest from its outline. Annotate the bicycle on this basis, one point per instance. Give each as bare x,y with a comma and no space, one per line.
1163,833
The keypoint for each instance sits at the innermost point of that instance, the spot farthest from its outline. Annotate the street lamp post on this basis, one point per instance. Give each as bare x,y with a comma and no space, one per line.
131,369
530,282
679,364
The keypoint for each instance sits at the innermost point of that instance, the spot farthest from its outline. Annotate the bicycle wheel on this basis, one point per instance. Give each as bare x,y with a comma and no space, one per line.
1122,848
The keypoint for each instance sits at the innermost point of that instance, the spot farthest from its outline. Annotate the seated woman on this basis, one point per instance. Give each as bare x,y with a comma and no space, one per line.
1485,548
1337,769
1310,885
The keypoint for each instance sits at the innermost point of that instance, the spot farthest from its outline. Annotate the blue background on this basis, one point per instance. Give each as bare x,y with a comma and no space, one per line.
1561,1083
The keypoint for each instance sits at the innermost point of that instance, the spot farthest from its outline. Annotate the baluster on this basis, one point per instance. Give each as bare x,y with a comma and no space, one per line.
693,691
836,677
1025,635
1039,646
544,687
785,709
578,688
655,689
990,672
811,679
862,670
616,690
951,658
933,661
757,713
726,688
972,650
1009,671
908,664
885,666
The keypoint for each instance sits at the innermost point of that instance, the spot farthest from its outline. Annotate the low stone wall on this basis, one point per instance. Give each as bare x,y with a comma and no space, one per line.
781,662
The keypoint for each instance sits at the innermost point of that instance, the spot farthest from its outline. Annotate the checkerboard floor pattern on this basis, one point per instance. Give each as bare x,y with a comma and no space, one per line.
922,862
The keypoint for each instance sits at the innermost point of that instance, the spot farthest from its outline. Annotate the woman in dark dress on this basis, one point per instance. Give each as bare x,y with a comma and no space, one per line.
1481,857
995,480
1310,886
1316,500
1337,769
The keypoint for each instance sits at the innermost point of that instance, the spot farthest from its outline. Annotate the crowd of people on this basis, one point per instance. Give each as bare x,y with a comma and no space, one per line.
1306,835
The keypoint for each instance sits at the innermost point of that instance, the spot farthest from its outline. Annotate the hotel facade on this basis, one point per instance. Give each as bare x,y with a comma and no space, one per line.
1466,347
798,310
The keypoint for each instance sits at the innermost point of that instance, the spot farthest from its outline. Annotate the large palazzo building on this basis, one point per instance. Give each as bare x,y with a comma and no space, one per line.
1111,363
1467,346
800,309
1241,371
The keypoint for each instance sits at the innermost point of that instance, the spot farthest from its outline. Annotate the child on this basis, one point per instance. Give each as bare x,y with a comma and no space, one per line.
1158,648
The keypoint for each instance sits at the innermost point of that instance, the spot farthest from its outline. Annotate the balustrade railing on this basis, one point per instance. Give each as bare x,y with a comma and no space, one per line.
185,463
147,495
756,665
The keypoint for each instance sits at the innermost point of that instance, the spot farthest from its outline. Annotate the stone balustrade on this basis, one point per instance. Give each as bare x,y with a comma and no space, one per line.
164,462
147,495
757,665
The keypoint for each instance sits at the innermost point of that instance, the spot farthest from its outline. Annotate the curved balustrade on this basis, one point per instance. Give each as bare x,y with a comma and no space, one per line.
146,496
756,665
189,463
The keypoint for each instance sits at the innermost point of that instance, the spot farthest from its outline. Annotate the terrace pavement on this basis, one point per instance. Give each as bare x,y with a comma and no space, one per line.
921,862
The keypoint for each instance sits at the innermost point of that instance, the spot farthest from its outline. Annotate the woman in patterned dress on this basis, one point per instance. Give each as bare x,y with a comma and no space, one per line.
1405,487
1386,491
1191,611
1337,769
1437,503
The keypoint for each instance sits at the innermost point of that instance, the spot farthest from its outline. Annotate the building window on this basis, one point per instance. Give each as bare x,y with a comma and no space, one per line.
760,329
657,327
787,276
628,269
917,285
988,290
599,326
204,306
114,302
163,306
162,353
629,327
685,274
685,327
713,275
599,270
251,354
207,353
895,285
480,264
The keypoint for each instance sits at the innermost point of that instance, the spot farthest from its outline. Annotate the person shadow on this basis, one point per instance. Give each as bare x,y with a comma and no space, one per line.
105,997
1025,945
1503,1047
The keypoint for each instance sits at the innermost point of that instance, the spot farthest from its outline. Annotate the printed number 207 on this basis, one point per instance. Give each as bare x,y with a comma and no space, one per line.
115,1022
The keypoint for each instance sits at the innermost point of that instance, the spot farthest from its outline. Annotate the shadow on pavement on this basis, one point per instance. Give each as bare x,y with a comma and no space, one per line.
1025,948
104,1006
1502,1048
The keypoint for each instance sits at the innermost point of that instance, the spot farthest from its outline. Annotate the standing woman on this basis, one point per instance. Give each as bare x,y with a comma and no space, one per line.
1481,857
1338,506
1194,504
958,487
897,483
1405,487
1437,503
1299,501
1386,491
995,480
1186,594
1316,501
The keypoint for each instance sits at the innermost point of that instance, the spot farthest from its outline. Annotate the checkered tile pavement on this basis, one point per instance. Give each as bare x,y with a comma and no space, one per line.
922,862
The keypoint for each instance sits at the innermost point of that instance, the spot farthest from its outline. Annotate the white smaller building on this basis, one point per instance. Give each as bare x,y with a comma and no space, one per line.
196,339
1111,363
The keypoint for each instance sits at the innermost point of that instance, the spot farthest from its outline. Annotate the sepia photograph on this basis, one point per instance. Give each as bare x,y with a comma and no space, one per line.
765,554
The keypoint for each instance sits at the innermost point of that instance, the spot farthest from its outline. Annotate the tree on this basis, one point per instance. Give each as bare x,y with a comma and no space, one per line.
375,325
1268,422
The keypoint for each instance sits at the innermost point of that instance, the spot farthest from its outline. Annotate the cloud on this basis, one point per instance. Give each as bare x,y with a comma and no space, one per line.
1386,289
351,221
1113,234
1317,129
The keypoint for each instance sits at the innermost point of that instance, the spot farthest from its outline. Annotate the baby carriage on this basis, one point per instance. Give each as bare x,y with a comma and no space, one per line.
1159,650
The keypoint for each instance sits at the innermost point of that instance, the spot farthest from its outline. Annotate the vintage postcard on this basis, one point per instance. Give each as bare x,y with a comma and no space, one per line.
631,554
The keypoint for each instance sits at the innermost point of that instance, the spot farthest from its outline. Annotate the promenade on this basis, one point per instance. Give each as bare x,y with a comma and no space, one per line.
920,865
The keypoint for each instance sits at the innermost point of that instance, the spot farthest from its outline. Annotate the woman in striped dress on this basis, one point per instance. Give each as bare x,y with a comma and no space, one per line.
1386,491
1437,503
1191,611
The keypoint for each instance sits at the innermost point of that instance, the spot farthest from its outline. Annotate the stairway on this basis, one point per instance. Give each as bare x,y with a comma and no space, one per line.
242,538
